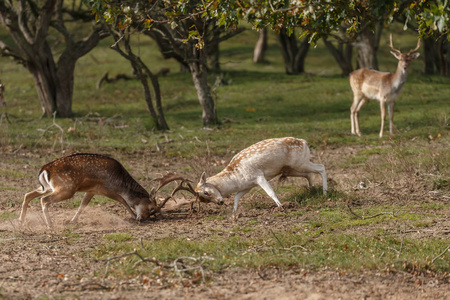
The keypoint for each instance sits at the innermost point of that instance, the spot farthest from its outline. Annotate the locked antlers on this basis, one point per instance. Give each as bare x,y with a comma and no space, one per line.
168,178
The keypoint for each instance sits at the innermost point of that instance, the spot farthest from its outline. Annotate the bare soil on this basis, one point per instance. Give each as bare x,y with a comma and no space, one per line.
37,262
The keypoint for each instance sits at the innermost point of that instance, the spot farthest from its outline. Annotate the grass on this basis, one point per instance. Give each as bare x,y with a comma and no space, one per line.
351,252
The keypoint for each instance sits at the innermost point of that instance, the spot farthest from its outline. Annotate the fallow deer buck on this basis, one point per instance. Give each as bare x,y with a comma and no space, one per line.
384,87
256,166
95,174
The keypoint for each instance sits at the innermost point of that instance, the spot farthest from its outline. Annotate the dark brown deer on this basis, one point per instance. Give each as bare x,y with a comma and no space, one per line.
93,174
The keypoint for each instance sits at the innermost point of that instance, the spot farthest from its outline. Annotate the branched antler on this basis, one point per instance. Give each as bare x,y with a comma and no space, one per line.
398,50
392,45
168,178
415,49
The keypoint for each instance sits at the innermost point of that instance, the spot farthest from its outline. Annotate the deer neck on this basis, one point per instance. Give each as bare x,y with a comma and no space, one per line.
399,77
227,182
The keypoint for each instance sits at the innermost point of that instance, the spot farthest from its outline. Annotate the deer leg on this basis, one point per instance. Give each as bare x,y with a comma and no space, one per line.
353,113
391,106
262,182
86,199
27,199
383,116
121,200
56,196
314,168
360,105
237,197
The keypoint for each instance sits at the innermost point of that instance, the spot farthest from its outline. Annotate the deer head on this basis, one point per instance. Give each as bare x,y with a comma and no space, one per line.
404,58
208,192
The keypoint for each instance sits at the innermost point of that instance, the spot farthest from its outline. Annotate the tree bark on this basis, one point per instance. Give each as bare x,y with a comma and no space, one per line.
342,54
143,73
261,46
293,54
431,61
367,47
200,79
444,55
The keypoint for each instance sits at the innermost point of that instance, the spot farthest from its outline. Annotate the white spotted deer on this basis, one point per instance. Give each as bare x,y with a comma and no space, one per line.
256,166
384,87
96,174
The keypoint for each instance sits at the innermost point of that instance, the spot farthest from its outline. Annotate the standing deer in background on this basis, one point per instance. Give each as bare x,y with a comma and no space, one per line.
384,87
2,99
256,165
93,174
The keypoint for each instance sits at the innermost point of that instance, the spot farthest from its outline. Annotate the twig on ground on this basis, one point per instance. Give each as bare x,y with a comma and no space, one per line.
401,245
281,244
185,269
370,217
440,255
109,259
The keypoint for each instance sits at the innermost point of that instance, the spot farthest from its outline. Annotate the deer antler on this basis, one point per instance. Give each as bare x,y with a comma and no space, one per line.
392,45
166,179
415,49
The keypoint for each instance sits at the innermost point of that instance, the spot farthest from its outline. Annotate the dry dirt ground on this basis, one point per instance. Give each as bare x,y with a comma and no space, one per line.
39,263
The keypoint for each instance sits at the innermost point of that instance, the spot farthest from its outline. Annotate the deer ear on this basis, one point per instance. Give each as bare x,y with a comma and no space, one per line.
415,55
203,179
395,55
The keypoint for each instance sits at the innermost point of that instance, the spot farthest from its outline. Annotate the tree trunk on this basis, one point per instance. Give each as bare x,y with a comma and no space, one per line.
365,52
431,60
293,55
342,54
157,91
43,70
142,73
261,46
443,51
199,77
367,47
29,26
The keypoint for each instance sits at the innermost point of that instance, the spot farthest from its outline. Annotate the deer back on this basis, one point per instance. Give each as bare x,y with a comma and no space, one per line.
267,158
94,173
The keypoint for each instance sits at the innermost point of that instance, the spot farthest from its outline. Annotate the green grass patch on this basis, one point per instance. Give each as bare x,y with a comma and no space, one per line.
118,237
8,216
351,252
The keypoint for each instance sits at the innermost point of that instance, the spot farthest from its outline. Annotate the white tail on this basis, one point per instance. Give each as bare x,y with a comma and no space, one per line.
384,87
93,174
256,165
2,99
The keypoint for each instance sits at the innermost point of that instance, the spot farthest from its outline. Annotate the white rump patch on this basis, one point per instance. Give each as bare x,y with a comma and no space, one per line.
45,182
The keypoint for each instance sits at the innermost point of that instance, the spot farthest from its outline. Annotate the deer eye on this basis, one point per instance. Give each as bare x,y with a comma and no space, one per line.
206,193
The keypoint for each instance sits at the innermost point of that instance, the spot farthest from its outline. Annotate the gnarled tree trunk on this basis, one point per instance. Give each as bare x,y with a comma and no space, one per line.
261,46
294,55
28,23
200,79
342,54
367,47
